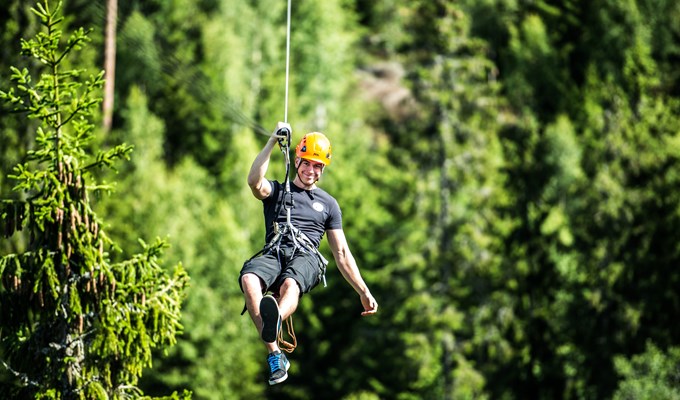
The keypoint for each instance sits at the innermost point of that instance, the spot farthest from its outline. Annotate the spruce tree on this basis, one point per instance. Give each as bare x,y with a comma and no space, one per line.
73,325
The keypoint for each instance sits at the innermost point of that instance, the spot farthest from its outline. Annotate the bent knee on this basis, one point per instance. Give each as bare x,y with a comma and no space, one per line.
250,280
290,285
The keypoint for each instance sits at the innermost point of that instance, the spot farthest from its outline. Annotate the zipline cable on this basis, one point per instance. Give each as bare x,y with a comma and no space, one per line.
285,108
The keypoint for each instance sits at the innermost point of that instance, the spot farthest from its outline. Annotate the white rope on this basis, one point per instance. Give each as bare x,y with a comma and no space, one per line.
285,112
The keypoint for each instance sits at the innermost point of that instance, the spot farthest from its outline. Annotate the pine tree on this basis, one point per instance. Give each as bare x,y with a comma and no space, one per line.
72,324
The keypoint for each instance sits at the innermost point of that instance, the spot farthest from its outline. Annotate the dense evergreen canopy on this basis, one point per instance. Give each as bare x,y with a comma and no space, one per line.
508,172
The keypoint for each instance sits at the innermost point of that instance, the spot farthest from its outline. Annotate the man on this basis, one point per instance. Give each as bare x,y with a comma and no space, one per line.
290,264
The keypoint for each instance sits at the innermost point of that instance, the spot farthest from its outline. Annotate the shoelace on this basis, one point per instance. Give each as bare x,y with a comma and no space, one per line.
274,362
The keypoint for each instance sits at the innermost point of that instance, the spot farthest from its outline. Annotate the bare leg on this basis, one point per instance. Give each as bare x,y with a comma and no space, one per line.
252,291
289,297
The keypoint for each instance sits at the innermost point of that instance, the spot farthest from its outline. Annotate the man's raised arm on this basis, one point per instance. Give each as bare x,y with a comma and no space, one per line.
260,186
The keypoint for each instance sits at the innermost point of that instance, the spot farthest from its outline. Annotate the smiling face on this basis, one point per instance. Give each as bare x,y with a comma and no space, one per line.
308,172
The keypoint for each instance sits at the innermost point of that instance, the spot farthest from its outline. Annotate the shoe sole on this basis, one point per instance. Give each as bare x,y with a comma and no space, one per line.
281,379
269,311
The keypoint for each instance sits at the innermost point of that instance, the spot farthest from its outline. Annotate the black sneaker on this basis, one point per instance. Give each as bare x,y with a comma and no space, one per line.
278,367
271,319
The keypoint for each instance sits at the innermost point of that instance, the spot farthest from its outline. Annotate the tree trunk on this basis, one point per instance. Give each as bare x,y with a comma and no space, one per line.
110,62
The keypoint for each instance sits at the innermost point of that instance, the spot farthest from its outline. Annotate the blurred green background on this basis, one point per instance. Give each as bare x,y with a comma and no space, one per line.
508,173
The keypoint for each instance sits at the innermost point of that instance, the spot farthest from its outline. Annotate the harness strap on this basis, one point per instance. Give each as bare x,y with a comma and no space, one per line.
300,242
306,244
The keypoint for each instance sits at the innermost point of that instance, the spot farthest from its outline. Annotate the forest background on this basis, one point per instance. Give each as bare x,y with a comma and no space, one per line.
508,173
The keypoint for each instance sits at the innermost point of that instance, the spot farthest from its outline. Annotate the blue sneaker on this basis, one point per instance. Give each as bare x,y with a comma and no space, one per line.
271,319
278,367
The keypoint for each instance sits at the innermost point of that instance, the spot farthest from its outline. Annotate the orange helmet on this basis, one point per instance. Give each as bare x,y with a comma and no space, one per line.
315,146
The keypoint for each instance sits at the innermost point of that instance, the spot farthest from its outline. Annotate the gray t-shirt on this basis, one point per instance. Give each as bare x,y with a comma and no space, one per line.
314,212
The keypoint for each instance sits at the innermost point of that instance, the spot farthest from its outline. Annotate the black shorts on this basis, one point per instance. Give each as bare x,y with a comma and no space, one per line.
304,268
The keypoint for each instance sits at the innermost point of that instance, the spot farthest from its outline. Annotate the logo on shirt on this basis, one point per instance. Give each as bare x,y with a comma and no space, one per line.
317,206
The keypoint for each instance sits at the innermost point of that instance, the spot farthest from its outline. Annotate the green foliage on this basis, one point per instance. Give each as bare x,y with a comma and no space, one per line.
444,240
650,375
15,20
204,233
322,36
73,324
507,171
